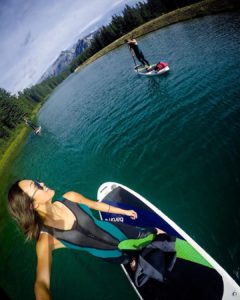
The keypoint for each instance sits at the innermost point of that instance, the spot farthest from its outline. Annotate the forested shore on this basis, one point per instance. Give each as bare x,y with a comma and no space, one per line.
165,13
134,21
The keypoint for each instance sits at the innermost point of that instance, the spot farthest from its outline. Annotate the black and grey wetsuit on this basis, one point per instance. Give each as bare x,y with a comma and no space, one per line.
138,53
97,237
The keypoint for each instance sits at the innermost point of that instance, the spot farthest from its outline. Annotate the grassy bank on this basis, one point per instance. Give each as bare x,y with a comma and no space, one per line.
203,8
13,145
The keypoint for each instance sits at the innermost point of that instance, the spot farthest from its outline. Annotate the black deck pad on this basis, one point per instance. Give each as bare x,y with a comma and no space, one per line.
187,281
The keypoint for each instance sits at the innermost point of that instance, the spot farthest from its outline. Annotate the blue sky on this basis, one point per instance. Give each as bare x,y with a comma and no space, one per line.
34,32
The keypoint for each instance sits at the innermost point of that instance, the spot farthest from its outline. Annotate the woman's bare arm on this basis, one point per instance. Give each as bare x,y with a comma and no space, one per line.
44,261
76,197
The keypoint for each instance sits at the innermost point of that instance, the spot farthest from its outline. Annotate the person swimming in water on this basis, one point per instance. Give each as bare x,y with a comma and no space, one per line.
69,222
134,48
29,123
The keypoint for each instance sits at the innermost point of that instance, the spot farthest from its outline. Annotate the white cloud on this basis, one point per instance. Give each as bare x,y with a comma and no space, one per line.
116,3
94,21
33,33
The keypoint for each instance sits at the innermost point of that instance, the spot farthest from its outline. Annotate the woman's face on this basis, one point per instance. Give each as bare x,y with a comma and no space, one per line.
37,190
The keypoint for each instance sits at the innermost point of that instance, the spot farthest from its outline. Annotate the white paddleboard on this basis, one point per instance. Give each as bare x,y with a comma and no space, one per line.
195,275
144,72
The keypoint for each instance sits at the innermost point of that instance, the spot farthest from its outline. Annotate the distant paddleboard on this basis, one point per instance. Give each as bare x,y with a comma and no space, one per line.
153,70
195,275
38,130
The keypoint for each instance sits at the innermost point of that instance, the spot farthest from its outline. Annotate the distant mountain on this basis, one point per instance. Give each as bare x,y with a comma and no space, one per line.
66,57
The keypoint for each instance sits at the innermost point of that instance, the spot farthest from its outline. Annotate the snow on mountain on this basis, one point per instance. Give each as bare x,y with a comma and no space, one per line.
66,57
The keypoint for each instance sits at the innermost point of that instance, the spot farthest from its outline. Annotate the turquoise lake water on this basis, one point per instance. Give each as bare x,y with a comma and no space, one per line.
173,139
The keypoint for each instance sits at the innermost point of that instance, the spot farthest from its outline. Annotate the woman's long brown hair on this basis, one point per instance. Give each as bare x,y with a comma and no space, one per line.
21,209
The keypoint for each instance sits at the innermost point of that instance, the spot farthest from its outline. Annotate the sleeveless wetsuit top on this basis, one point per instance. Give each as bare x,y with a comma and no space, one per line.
135,48
97,237
100,238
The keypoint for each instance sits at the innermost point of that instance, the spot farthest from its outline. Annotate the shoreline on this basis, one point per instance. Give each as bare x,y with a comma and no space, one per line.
203,8
16,143
200,9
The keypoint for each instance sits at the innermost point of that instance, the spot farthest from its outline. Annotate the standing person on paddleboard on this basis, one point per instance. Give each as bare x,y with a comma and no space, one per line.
134,48
68,222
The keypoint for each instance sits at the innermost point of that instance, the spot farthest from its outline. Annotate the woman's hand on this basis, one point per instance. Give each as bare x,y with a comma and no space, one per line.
131,213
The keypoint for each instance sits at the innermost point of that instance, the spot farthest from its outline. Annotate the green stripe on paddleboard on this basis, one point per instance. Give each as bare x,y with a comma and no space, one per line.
135,244
187,252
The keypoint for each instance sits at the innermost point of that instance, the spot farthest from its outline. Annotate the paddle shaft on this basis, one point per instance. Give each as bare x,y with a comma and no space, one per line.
133,57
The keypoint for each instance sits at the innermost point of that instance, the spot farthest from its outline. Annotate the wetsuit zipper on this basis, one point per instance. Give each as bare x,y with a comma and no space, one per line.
91,235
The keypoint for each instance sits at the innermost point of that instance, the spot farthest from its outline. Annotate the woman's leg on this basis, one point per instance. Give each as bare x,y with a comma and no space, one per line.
146,62
143,59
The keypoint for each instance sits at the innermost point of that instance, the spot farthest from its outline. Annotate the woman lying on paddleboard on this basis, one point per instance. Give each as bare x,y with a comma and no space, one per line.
69,222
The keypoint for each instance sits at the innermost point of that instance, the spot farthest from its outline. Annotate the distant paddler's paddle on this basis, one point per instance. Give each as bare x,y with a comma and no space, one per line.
136,66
